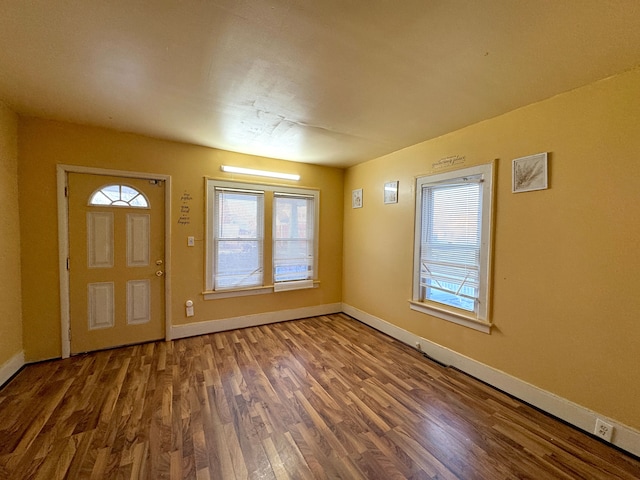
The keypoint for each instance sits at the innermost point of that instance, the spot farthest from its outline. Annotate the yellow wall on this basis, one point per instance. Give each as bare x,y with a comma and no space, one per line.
566,260
565,263
10,308
43,144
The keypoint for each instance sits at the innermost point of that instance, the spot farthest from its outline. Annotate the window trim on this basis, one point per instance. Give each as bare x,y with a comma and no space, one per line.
480,321
269,285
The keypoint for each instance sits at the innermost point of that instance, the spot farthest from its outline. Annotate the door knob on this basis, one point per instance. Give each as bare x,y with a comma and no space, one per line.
159,273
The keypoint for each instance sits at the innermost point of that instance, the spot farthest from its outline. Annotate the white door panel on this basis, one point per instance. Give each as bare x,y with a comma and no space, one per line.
138,301
138,240
101,305
100,239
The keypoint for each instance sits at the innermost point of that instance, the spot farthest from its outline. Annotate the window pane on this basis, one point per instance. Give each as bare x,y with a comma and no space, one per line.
293,251
238,239
293,260
99,198
450,245
118,196
238,215
112,191
238,264
138,201
127,193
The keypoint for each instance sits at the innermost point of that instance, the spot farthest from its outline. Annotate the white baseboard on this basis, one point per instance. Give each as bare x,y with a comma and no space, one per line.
213,326
624,437
11,367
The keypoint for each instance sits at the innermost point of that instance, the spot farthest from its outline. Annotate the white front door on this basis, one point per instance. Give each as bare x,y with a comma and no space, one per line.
116,261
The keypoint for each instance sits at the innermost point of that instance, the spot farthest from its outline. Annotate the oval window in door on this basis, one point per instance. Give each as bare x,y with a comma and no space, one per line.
118,196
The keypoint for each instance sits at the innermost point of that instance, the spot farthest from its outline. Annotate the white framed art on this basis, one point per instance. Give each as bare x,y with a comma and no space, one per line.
356,198
530,173
391,192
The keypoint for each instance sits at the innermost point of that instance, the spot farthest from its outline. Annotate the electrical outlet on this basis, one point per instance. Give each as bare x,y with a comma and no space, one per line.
603,430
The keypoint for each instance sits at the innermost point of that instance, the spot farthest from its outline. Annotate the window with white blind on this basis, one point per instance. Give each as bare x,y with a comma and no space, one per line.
243,255
452,246
293,240
238,221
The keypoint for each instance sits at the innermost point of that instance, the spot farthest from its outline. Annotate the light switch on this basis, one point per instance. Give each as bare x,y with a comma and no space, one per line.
191,241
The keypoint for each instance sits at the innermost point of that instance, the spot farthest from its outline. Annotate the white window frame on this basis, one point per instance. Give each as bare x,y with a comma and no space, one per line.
257,276
478,319
283,285
269,190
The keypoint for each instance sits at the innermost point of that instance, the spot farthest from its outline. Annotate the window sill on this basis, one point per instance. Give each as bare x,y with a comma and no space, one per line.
294,285
219,294
451,316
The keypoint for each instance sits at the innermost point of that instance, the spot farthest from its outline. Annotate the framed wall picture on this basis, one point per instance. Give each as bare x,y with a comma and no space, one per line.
356,198
530,173
391,192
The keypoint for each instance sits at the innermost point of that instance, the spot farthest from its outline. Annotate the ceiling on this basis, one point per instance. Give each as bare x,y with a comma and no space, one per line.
331,82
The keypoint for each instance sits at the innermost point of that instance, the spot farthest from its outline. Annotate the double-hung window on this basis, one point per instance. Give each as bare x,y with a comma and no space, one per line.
260,238
293,240
238,219
453,245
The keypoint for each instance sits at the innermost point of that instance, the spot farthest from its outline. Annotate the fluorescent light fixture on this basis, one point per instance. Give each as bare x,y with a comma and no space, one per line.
260,173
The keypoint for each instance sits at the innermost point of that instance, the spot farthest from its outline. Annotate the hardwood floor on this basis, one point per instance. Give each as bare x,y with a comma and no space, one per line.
324,397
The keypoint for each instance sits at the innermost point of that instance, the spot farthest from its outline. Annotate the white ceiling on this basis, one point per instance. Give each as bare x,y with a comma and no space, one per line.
332,82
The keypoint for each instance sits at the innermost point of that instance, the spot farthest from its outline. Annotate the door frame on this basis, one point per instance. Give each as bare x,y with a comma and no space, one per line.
62,172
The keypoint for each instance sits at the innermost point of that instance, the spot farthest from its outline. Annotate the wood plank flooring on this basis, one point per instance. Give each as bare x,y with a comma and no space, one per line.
324,397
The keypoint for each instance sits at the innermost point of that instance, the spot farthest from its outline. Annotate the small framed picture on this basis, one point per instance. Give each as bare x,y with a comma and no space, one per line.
391,192
530,173
356,198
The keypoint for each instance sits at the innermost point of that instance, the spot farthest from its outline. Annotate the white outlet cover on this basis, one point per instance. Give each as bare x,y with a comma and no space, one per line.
603,430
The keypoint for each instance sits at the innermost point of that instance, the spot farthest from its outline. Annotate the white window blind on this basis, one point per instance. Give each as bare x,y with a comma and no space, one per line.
293,238
451,242
238,238
452,250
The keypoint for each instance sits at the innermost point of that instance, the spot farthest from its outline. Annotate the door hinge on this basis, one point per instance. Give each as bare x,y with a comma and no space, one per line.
67,263
66,191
